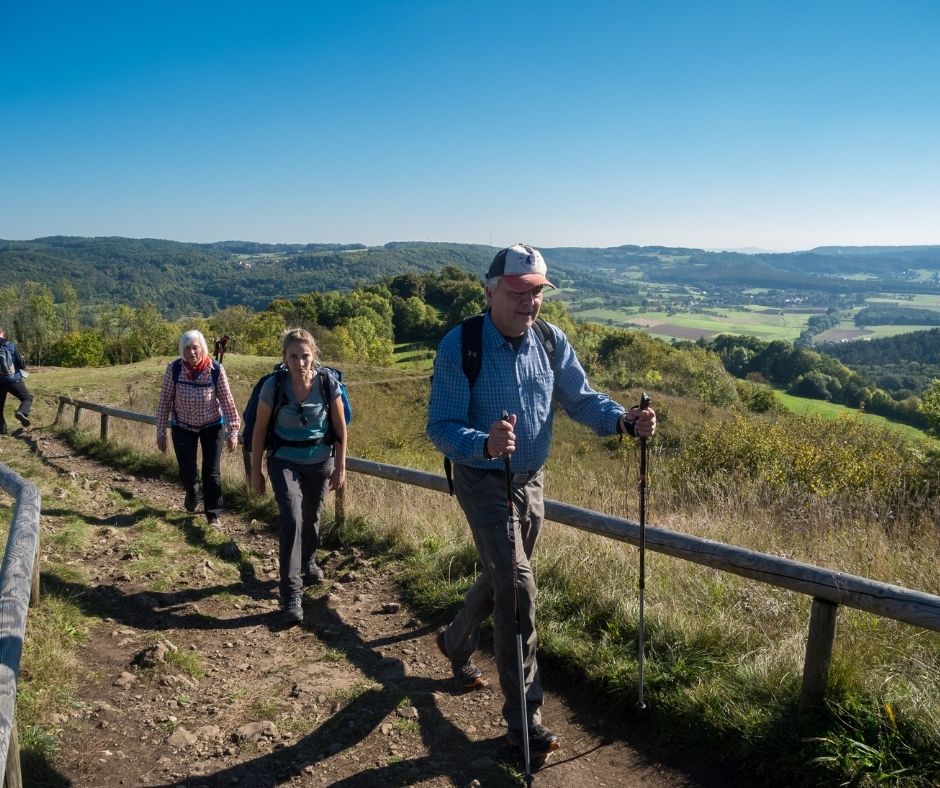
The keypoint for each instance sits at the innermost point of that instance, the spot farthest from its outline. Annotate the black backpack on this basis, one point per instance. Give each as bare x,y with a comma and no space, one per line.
471,359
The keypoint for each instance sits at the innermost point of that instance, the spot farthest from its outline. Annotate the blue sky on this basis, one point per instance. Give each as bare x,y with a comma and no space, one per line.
778,125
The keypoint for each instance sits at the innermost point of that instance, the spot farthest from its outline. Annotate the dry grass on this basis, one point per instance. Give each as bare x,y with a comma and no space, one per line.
725,653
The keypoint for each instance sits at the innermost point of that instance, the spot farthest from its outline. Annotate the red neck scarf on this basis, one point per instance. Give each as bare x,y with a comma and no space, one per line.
199,366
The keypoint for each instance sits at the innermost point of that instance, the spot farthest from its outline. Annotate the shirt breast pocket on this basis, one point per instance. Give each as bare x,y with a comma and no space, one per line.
541,395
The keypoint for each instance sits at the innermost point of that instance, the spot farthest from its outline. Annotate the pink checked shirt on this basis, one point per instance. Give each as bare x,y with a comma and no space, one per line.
195,407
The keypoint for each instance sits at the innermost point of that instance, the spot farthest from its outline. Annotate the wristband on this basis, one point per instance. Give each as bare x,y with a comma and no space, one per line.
486,451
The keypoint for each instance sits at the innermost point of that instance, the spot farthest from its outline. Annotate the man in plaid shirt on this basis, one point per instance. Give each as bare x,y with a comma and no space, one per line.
465,422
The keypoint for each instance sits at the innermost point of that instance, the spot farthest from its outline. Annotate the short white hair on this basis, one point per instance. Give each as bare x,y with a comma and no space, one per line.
193,336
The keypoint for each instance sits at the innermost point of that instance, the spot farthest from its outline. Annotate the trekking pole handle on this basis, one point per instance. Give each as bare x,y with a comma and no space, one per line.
504,416
645,401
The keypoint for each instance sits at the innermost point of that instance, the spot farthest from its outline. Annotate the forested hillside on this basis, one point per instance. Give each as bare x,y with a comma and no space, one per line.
904,362
186,279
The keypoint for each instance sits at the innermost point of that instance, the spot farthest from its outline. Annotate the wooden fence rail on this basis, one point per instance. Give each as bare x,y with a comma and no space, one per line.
19,586
828,588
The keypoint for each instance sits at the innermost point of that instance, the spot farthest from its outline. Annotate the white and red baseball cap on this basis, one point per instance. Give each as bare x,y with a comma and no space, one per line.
521,267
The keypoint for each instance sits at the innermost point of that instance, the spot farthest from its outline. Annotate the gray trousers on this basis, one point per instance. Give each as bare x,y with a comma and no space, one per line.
482,495
300,491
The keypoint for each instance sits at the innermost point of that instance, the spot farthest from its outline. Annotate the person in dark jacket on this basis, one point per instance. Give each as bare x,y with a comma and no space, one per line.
12,372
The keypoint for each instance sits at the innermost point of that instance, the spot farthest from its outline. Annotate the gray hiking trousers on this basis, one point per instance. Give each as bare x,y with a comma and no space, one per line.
300,491
482,495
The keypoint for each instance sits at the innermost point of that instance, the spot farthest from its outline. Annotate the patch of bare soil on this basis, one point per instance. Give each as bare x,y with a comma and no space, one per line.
358,695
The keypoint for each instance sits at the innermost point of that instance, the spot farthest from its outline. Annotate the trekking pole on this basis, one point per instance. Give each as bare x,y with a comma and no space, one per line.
644,405
511,532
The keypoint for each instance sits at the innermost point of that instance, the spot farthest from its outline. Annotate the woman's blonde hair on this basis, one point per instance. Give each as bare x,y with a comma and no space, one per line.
303,337
193,336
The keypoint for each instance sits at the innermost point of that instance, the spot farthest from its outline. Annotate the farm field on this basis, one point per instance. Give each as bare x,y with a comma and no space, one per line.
766,325
848,331
920,300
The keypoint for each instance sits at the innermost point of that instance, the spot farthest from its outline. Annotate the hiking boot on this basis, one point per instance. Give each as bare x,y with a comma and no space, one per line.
192,499
213,519
312,571
467,675
541,740
22,418
292,609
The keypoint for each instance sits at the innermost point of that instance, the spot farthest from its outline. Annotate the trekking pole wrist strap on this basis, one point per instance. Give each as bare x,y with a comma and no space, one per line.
626,425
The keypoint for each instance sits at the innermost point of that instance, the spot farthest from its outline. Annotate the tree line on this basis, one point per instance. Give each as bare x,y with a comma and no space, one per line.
364,324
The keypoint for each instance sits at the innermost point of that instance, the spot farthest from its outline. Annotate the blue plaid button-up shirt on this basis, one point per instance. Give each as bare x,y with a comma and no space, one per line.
522,382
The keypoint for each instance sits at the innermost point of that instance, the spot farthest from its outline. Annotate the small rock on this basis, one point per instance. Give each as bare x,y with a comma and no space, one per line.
253,730
154,655
181,738
391,607
408,713
231,551
125,680
208,732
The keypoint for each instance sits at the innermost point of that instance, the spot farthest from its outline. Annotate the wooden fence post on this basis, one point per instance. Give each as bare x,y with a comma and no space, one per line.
60,411
104,426
78,415
13,776
822,635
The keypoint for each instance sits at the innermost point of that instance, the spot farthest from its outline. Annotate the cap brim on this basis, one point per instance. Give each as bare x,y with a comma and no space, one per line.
523,282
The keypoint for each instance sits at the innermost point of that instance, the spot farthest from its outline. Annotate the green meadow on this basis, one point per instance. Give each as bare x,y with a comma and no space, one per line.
829,410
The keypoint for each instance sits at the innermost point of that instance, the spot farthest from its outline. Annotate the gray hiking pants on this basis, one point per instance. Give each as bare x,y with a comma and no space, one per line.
482,495
300,491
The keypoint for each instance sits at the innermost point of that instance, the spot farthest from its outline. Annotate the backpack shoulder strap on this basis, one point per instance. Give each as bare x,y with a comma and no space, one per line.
177,369
324,374
216,371
278,400
278,394
546,334
471,347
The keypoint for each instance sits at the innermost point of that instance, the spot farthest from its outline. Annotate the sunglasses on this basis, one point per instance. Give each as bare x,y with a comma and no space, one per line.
300,414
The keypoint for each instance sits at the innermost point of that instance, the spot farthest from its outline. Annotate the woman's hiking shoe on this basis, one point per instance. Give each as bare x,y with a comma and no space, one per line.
292,609
467,675
541,740
192,499
313,572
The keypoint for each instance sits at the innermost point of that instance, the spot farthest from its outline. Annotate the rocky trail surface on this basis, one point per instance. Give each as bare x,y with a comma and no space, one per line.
193,682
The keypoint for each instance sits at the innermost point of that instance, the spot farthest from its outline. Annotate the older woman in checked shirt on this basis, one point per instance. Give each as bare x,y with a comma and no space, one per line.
196,401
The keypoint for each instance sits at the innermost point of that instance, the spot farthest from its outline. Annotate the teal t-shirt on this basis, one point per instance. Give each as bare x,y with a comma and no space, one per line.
290,417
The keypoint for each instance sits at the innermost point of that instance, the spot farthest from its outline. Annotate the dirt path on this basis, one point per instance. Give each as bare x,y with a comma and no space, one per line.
356,696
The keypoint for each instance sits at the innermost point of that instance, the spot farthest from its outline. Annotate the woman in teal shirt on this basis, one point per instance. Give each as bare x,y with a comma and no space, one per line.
306,453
